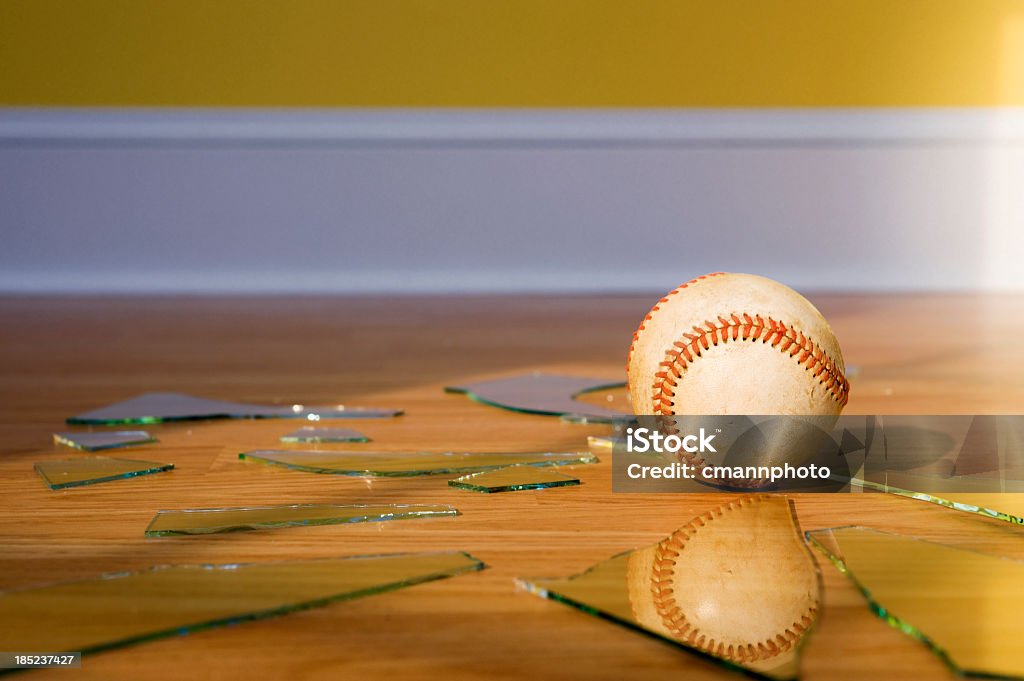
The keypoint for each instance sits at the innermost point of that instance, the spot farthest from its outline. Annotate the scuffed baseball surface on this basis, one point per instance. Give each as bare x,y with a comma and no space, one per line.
736,344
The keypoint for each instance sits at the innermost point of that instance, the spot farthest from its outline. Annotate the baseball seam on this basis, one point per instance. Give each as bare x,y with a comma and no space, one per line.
657,306
663,588
787,339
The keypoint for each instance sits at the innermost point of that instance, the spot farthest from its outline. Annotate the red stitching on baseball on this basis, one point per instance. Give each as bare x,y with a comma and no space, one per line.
636,334
663,587
787,339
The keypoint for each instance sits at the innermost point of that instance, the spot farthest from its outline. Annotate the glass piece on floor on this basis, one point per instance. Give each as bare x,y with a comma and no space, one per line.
545,394
402,464
120,609
979,452
214,520
513,479
946,446
968,463
1001,506
92,442
94,469
588,419
971,494
315,434
737,584
160,407
962,604
615,399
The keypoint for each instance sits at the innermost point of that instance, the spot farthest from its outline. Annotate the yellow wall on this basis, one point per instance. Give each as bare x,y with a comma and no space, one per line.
512,52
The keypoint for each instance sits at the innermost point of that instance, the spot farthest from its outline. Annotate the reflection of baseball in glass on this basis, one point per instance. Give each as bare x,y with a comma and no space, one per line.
737,582
735,344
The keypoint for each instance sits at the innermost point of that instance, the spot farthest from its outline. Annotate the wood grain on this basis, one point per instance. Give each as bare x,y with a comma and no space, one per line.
915,354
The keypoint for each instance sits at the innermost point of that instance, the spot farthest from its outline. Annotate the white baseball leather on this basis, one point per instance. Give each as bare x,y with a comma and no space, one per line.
736,344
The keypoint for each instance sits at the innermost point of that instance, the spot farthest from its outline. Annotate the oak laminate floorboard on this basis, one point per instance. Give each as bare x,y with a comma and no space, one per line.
62,356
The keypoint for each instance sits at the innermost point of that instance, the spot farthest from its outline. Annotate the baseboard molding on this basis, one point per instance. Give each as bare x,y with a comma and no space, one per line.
503,126
305,281
187,201
640,281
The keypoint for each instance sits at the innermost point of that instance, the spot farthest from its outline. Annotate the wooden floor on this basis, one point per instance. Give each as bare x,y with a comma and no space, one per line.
915,354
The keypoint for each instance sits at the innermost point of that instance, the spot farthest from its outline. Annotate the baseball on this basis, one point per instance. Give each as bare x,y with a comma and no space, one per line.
736,344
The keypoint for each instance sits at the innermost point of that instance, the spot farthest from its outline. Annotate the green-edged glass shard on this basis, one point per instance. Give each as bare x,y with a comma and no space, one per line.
513,479
545,394
213,520
1001,506
962,604
956,493
92,442
120,609
94,469
314,434
160,407
737,585
400,464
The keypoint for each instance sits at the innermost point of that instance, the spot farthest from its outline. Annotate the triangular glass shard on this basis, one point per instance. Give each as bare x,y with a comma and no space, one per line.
513,479
94,469
401,464
214,520
159,407
124,608
316,434
737,584
849,443
545,394
979,452
962,604
92,442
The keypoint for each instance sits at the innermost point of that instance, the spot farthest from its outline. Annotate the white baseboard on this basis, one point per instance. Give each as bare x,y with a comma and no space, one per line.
496,126
494,201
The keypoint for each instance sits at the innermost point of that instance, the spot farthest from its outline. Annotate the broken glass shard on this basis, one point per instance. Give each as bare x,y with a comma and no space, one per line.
737,584
123,608
970,494
94,469
213,520
92,442
615,399
973,464
1007,507
513,479
545,394
979,452
314,434
400,464
964,605
159,407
